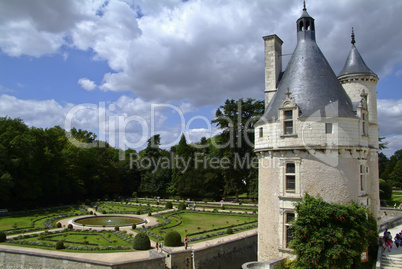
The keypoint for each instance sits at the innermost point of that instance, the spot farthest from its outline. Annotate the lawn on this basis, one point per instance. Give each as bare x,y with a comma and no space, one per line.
199,222
78,240
22,221
121,208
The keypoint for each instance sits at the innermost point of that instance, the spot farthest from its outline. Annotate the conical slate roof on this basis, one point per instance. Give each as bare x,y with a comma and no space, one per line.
310,80
355,63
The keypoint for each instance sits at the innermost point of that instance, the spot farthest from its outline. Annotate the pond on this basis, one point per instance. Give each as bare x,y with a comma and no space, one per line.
109,221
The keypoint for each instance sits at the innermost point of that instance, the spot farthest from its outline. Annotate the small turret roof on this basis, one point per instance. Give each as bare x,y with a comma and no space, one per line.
355,63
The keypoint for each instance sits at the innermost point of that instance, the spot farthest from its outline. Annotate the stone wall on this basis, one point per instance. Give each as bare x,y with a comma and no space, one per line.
389,214
26,259
227,255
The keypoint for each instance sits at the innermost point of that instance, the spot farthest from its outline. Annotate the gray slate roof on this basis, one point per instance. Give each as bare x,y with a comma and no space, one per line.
312,83
355,64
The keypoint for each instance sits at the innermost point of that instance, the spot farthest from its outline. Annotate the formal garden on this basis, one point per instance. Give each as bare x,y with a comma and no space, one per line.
198,221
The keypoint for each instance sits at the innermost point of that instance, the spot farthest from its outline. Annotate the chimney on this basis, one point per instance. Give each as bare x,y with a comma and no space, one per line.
273,65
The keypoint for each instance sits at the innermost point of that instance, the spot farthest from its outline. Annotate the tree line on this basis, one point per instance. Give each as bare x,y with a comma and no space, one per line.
43,167
390,172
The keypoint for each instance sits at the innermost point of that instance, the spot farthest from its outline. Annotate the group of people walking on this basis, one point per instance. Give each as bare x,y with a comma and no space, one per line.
387,238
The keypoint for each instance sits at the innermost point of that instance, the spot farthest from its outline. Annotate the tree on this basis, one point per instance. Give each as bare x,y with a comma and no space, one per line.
327,234
396,175
156,170
385,190
183,182
236,142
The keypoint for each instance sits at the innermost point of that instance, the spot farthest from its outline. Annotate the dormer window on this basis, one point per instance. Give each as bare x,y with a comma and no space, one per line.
288,122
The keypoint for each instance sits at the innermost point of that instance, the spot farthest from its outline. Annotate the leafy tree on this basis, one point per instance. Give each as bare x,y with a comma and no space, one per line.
156,172
382,163
237,119
327,234
396,175
385,190
183,165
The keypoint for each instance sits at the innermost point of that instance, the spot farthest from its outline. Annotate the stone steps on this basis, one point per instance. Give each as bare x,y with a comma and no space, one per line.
391,262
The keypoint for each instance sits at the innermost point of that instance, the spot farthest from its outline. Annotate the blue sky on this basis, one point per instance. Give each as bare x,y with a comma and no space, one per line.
168,64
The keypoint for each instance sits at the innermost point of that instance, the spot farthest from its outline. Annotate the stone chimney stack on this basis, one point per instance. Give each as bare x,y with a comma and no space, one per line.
273,65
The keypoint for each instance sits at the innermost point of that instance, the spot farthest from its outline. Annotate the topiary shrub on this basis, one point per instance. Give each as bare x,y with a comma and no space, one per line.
104,212
3,236
223,207
139,212
116,228
58,225
169,205
229,231
149,214
134,227
70,226
173,239
60,245
182,206
141,242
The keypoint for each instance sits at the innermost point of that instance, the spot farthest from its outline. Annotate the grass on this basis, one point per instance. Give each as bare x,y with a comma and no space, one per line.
195,222
9,222
127,207
103,239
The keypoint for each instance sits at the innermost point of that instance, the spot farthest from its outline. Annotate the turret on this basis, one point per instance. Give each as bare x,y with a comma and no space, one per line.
361,83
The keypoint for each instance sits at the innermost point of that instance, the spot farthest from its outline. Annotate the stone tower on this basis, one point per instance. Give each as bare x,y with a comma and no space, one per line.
319,134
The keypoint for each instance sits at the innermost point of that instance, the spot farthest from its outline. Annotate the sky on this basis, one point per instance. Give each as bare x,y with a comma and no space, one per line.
128,69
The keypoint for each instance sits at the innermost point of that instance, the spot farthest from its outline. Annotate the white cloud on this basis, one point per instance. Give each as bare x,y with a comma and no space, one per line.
87,84
390,117
394,144
202,51
127,122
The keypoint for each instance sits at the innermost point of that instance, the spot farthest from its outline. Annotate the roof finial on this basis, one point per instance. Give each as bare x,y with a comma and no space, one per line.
304,5
288,93
353,37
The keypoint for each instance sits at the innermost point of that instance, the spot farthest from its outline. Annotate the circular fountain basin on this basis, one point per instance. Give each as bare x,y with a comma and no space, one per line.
108,221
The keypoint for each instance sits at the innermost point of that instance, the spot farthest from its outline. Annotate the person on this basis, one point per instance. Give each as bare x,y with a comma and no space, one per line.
161,245
395,205
157,246
388,241
397,239
185,242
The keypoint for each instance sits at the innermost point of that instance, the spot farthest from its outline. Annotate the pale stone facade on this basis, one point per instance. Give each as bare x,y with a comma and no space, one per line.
319,135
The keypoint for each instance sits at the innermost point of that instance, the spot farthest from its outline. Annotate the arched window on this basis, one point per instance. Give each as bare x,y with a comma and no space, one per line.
307,25
301,26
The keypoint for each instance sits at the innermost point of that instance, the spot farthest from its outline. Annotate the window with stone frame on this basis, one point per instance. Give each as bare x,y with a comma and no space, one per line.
289,216
290,177
364,124
328,128
362,178
261,132
288,127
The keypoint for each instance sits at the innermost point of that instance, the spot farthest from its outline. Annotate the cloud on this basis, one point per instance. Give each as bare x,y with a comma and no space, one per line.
202,51
394,144
389,117
87,84
125,123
